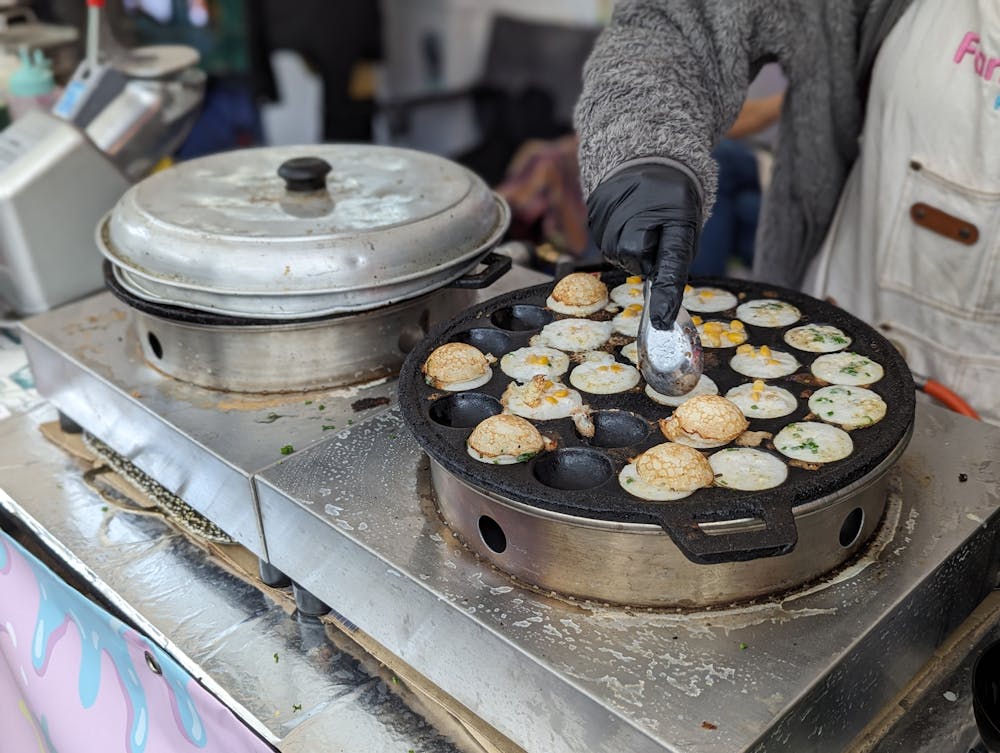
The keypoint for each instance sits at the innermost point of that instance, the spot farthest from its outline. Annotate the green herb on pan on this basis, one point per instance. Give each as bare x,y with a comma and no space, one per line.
754,407
270,418
309,402
743,647
809,444
856,368
829,413
349,422
287,450
328,427
296,707
525,456
275,657
321,407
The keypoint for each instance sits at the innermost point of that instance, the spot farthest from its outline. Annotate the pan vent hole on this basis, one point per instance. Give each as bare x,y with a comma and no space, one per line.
851,528
154,344
492,533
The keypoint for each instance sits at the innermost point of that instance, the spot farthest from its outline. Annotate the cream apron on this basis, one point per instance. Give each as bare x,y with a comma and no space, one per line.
914,247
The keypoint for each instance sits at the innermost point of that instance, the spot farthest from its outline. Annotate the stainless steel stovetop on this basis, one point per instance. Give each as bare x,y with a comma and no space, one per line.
347,514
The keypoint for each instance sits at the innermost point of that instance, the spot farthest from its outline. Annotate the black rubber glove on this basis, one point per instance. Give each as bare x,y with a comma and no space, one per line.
647,219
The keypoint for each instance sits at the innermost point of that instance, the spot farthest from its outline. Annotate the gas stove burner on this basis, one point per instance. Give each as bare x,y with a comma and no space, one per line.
544,519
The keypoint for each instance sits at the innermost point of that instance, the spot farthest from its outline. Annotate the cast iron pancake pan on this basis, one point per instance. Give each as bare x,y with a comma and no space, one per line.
580,477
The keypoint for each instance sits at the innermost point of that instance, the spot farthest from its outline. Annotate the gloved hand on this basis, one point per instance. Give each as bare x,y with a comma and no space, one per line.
647,219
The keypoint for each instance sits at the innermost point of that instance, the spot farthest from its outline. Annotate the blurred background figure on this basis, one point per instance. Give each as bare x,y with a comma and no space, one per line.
278,72
338,41
488,83
727,239
229,36
542,186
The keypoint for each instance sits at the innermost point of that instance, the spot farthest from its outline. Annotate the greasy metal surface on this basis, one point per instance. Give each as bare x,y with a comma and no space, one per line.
489,325
804,672
934,714
223,234
638,564
201,444
283,677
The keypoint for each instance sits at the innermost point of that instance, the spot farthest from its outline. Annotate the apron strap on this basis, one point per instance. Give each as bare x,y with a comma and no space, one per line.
874,29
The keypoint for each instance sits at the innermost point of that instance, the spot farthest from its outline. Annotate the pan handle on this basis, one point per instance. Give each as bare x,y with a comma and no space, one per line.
778,537
497,265
947,397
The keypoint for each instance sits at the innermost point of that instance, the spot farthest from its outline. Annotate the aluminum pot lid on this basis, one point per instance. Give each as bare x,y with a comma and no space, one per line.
320,219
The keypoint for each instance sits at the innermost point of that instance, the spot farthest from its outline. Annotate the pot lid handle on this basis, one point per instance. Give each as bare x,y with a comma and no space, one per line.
304,174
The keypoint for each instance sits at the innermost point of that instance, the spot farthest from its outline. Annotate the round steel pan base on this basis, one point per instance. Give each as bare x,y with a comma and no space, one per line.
638,564
294,357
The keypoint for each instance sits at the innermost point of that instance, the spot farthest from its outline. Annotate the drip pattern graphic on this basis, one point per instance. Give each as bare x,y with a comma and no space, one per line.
79,677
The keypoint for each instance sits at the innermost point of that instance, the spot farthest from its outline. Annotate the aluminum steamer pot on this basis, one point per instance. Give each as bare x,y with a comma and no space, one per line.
289,268
261,356
562,522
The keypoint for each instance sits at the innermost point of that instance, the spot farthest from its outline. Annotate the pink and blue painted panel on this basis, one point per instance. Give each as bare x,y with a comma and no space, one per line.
74,678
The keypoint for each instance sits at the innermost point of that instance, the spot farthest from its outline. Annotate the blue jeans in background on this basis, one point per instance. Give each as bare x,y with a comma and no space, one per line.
730,231
229,119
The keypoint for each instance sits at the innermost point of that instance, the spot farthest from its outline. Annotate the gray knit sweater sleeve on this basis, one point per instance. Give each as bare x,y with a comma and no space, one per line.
668,77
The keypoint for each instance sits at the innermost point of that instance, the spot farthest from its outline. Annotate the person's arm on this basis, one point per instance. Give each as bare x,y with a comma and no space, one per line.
756,115
664,82
668,77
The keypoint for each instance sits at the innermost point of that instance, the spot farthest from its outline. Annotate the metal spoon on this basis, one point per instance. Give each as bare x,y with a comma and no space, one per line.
669,359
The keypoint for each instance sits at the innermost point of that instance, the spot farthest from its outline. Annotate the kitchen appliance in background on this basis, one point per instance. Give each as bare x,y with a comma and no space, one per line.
148,117
54,186
115,121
